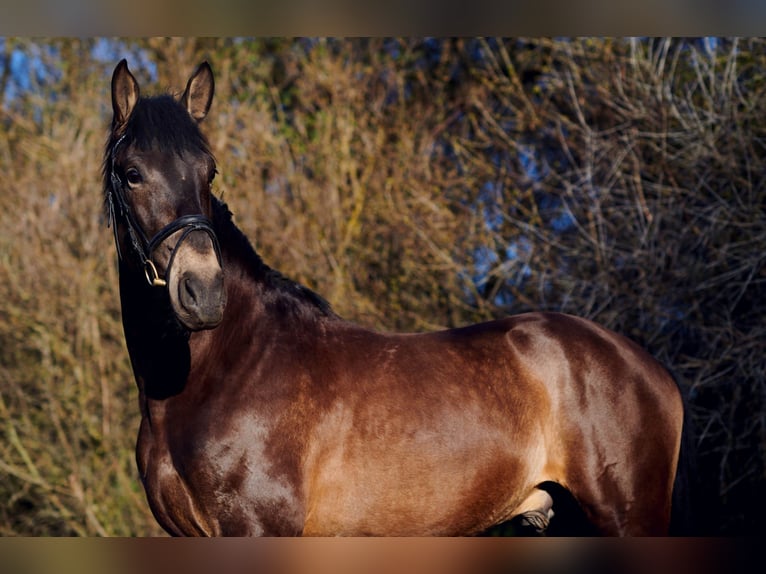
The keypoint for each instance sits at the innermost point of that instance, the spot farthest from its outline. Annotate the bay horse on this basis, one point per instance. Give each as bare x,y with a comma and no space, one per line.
265,413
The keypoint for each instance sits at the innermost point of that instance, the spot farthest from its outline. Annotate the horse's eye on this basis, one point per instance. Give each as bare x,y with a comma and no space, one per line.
212,176
133,176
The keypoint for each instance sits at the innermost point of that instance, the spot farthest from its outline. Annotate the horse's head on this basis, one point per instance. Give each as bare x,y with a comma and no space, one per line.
158,173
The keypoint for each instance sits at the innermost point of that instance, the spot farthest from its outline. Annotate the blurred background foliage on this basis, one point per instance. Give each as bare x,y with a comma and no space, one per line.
416,184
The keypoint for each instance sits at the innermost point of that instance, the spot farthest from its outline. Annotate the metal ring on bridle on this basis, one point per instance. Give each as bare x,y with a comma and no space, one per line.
152,276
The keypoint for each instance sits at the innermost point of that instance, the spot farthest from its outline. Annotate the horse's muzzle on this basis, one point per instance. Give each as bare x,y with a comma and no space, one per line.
201,300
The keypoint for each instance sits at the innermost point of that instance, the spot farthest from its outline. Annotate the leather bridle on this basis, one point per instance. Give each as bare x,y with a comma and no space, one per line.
141,243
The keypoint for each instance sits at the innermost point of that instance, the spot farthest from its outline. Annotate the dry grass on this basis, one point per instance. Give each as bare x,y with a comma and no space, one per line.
67,399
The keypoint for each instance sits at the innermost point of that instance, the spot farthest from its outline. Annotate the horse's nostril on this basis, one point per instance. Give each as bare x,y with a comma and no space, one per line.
190,290
193,292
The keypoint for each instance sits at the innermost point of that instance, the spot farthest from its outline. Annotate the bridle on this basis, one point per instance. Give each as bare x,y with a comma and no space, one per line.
144,246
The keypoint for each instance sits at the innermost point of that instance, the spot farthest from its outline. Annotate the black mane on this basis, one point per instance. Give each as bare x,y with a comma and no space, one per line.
162,122
286,294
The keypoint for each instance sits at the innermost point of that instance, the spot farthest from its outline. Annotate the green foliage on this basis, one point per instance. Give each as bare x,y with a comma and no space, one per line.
415,184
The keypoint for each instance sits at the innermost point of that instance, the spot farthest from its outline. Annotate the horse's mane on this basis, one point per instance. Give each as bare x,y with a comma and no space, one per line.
284,293
162,122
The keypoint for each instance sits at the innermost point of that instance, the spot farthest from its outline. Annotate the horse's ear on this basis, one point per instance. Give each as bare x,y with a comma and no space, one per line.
199,92
125,94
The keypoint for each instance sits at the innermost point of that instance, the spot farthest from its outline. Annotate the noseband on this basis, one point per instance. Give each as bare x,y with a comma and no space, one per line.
144,246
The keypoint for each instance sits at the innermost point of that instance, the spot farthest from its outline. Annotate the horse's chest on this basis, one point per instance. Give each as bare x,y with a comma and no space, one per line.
226,480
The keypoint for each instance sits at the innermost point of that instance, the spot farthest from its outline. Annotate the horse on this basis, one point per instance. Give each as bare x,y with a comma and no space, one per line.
263,412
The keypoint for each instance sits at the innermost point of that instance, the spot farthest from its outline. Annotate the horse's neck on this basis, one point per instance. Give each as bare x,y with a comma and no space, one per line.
163,353
261,310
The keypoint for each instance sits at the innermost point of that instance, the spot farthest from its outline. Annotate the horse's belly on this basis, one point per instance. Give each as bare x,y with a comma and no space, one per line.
417,494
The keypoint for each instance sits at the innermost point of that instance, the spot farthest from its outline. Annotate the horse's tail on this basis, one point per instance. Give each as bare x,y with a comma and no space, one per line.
683,521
